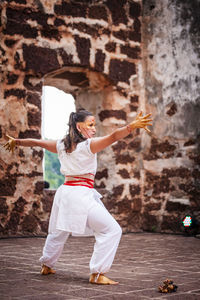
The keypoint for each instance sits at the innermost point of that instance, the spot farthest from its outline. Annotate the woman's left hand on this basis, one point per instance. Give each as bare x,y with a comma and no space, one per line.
141,122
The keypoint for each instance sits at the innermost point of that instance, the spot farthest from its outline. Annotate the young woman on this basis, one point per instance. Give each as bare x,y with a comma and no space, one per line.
77,205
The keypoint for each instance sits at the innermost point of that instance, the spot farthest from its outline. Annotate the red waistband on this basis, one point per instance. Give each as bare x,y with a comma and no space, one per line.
80,181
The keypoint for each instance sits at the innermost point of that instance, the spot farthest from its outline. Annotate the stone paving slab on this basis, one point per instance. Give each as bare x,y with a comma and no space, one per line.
142,262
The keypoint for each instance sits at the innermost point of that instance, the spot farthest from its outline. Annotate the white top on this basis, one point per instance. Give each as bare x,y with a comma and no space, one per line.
80,161
72,203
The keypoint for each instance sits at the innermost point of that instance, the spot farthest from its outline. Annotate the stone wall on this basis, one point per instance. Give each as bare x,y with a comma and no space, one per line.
115,60
171,59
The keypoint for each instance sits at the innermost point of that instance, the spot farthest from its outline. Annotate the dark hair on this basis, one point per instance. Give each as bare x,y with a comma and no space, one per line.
74,136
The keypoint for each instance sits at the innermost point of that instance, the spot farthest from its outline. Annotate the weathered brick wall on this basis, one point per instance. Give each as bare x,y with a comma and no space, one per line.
96,51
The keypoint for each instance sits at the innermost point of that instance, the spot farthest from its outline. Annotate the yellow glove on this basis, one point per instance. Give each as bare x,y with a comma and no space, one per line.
11,144
141,122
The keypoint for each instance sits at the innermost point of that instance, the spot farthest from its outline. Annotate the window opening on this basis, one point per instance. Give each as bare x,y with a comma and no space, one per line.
56,108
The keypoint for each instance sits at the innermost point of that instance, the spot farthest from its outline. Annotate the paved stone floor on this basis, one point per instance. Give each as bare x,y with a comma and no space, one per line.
142,262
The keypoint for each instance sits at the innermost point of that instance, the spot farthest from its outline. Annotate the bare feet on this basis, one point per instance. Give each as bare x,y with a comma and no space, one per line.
46,270
101,279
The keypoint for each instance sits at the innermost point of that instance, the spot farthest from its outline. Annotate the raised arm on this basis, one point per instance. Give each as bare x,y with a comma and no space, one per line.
49,145
100,143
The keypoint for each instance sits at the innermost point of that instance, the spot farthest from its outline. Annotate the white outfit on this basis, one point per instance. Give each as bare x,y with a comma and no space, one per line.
78,210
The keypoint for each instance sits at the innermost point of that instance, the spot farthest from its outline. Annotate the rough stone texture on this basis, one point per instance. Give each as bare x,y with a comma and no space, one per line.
115,57
170,32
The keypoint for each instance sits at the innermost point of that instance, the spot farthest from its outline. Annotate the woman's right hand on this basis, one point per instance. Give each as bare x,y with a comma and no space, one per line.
11,143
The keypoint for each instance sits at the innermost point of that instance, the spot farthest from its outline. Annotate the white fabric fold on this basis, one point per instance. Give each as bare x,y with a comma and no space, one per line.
71,207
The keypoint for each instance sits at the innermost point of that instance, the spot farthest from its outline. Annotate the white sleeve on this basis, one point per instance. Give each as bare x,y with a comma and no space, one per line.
88,141
59,146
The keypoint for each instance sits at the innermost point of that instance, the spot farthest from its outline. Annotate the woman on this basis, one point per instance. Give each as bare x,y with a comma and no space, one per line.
77,206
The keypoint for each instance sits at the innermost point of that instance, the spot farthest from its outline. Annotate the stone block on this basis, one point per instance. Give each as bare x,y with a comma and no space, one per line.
29,223
50,32
71,9
123,173
97,12
124,159
3,206
29,134
118,12
121,34
121,70
110,47
34,98
25,30
59,22
101,174
83,48
12,78
40,60
152,206
134,99
176,206
47,199
30,86
137,204
124,207
117,191
66,58
133,107
134,36
132,52
34,118
19,93
118,114
119,147
12,224
134,9
8,185
10,42
157,148
181,172
99,61
92,30
39,187
149,222
137,25
74,78
19,205
172,223
134,189
135,144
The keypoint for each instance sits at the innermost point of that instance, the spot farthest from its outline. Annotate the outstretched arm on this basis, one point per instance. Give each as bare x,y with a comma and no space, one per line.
100,143
49,145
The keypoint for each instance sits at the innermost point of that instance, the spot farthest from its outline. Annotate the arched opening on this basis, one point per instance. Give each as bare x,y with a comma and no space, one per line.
56,108
94,92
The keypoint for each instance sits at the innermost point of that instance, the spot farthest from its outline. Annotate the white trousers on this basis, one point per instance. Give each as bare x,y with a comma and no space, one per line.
107,234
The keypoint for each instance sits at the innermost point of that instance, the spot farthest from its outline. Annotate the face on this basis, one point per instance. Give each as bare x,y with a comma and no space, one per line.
87,128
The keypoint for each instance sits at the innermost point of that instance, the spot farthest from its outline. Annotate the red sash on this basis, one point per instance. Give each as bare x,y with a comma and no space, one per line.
80,181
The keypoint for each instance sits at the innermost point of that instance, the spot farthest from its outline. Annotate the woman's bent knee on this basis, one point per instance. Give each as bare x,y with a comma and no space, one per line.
116,230
119,231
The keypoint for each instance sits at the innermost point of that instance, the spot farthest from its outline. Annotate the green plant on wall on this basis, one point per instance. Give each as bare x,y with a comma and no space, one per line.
52,170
